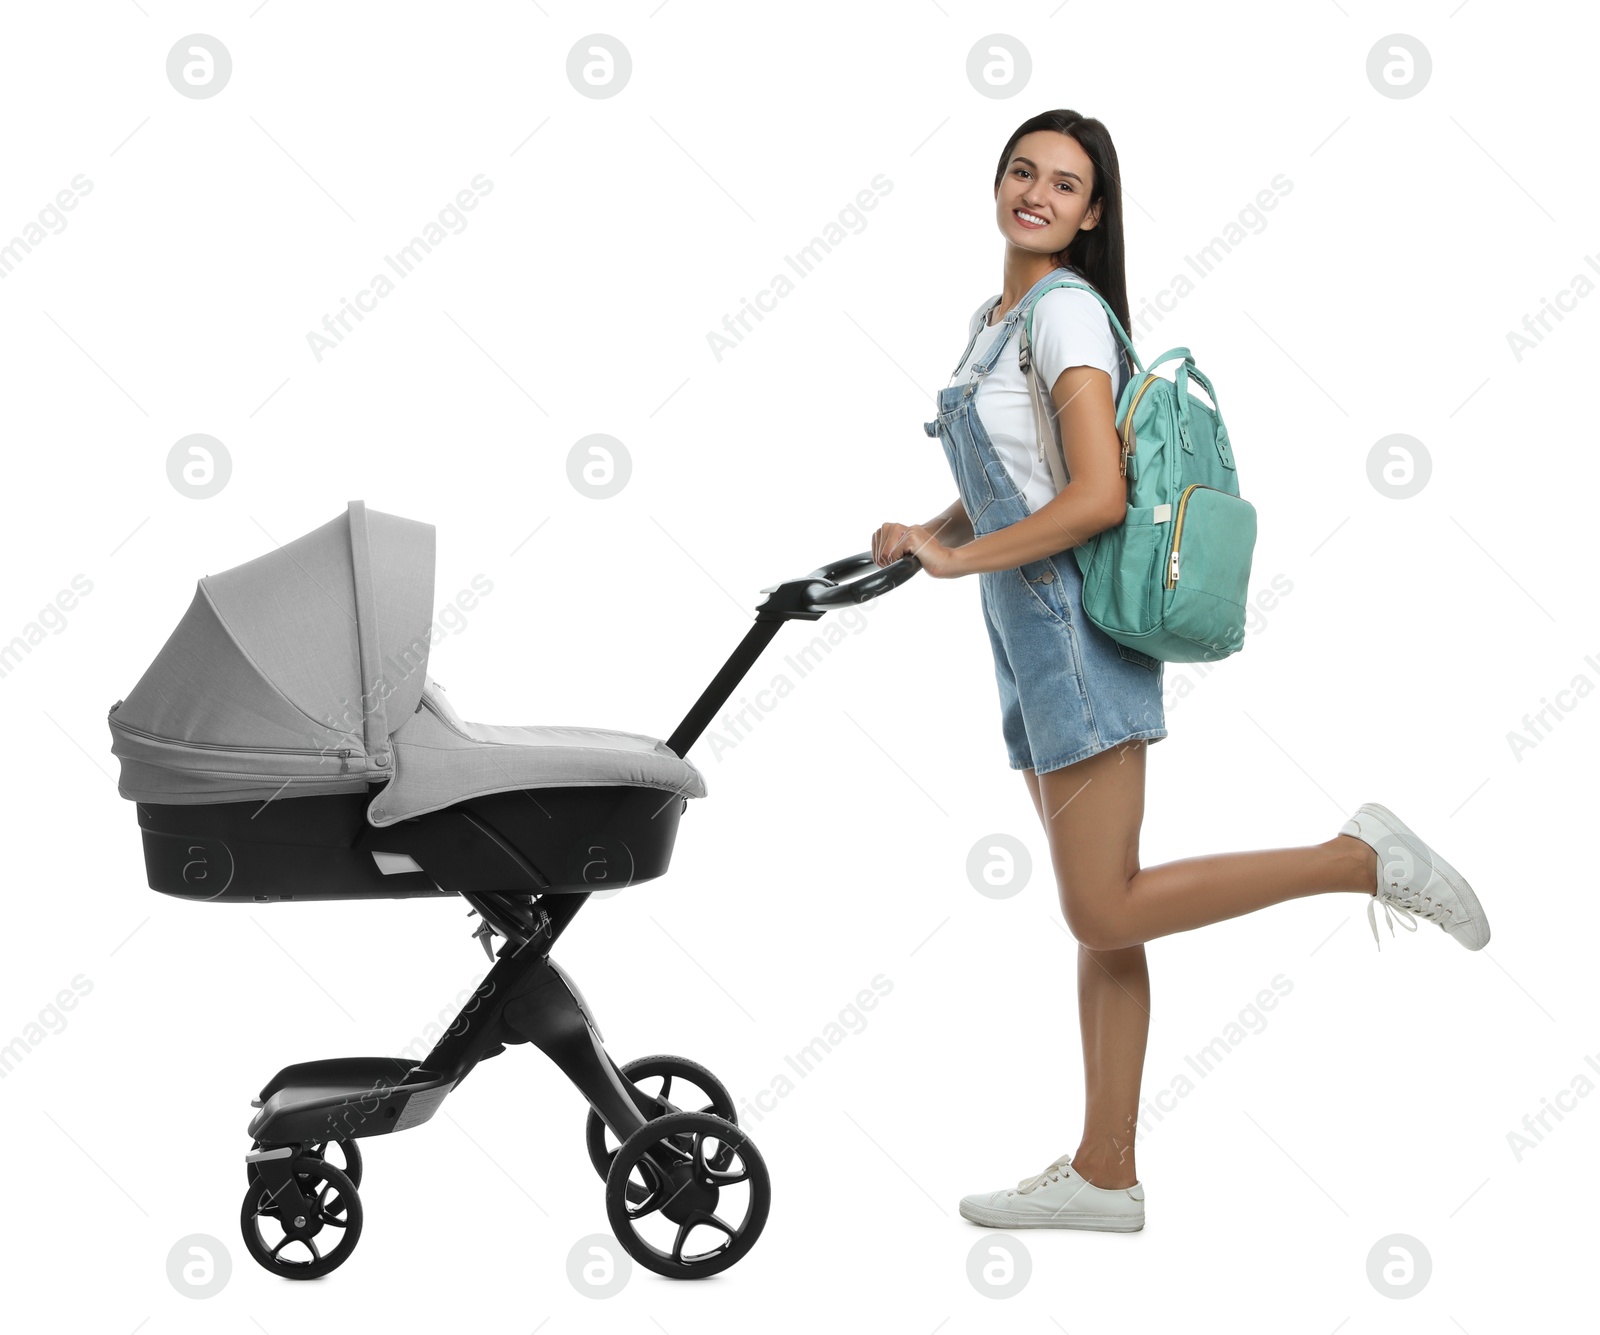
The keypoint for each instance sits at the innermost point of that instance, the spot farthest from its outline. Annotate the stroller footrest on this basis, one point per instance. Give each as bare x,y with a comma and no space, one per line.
345,1099
338,1072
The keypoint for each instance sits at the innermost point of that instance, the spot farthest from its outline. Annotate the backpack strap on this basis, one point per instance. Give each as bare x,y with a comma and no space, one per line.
1045,429
1044,416
1027,323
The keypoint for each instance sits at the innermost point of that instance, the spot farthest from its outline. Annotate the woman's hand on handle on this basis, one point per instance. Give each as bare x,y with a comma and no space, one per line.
892,541
885,538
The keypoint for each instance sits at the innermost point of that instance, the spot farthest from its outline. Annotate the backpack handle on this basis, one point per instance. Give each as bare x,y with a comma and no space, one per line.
1170,353
1186,370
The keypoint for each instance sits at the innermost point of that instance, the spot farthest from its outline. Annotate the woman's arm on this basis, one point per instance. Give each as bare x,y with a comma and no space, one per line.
952,525
1095,498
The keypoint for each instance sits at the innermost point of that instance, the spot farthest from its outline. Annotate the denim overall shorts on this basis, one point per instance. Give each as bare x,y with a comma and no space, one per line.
1067,689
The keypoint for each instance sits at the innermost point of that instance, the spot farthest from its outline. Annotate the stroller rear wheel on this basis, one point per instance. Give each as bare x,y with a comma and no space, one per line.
303,1245
709,1096
691,1169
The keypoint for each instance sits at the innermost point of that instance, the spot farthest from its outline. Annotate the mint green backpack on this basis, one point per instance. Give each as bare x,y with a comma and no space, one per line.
1171,579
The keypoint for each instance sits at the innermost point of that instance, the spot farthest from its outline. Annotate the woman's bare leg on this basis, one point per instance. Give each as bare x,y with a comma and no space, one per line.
1092,812
1114,1025
1114,1017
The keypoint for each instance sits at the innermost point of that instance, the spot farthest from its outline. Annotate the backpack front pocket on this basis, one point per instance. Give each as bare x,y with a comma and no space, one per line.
1207,573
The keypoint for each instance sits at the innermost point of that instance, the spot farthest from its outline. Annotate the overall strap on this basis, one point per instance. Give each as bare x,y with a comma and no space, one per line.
975,322
1014,317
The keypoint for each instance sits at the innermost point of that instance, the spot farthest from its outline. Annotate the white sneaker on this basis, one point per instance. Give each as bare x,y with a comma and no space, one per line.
1415,881
1058,1198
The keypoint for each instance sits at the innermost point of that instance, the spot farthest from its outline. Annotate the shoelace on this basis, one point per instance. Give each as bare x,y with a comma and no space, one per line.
1412,905
1050,1174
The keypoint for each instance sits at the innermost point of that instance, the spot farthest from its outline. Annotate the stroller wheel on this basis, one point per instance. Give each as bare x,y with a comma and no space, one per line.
309,1245
707,1094
346,1158
704,1194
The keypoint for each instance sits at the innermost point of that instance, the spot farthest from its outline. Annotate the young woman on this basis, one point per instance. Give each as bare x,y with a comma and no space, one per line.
1078,711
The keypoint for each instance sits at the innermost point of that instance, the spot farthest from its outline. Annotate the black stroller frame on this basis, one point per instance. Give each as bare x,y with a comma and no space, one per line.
675,1156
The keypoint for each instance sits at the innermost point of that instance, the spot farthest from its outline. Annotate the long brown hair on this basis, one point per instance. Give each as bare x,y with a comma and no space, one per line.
1098,253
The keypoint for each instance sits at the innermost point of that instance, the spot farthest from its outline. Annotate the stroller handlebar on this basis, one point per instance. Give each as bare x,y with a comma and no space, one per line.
812,595
804,599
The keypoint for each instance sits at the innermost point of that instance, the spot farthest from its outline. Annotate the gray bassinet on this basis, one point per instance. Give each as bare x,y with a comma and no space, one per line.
304,672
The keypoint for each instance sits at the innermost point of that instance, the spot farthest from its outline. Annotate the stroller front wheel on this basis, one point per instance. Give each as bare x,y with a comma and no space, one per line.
308,1242
684,1164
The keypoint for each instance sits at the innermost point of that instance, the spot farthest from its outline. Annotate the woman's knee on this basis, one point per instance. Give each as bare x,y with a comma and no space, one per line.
1096,806
1095,925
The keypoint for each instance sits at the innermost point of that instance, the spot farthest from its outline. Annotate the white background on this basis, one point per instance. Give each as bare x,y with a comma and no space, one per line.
1376,298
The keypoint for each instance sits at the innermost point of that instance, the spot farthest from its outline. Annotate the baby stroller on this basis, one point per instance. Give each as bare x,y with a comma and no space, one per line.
287,743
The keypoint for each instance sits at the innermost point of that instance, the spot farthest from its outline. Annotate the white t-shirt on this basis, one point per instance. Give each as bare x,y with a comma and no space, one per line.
1070,328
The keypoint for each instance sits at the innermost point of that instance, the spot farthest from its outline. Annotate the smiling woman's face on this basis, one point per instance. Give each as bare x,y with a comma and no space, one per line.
1042,201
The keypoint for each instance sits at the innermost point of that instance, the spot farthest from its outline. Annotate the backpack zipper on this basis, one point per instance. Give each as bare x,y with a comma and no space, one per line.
1127,424
1177,527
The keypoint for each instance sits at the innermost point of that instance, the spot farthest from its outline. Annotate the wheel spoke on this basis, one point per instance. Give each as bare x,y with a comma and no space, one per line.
652,1186
714,1172
687,1227
332,1201
707,1218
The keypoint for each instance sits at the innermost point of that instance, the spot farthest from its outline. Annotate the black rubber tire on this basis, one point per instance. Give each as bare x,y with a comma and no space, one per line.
329,1184
669,1131
721,1104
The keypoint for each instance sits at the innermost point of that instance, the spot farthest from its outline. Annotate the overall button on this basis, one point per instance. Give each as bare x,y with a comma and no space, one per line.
1042,592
